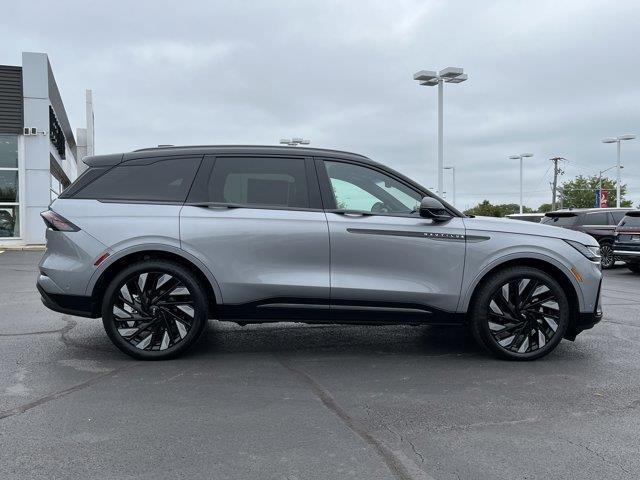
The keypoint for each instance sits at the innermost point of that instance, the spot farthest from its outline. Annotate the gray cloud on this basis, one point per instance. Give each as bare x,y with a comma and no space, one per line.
552,78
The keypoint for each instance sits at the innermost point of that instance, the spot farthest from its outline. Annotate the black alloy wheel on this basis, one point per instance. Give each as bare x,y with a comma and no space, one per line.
522,313
608,259
154,310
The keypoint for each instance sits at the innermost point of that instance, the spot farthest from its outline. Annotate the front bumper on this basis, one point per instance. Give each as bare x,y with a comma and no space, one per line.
584,321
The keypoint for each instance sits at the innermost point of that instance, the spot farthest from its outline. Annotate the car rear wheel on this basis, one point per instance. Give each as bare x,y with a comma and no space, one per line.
608,259
154,310
520,313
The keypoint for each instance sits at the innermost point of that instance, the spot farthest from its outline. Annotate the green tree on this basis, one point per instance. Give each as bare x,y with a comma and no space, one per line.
487,209
544,208
580,192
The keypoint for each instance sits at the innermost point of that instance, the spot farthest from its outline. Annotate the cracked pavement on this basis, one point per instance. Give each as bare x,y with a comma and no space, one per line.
313,402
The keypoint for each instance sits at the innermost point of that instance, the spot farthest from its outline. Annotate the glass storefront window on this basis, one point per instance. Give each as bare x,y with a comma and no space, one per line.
8,186
9,195
9,221
55,187
8,151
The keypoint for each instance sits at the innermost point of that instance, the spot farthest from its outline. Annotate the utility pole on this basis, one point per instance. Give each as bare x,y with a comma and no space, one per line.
556,171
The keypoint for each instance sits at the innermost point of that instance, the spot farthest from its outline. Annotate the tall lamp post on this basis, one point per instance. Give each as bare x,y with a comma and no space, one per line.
617,140
431,78
453,172
600,178
516,157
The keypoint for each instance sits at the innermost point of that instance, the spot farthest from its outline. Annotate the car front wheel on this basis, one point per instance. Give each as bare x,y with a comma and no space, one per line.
520,313
154,310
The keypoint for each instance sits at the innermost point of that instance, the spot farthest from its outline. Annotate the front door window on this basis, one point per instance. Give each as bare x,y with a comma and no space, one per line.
364,189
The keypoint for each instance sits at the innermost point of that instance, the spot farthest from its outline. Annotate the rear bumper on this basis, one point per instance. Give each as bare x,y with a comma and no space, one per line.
77,305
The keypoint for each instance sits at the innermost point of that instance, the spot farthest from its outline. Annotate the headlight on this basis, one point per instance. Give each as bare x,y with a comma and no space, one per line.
589,251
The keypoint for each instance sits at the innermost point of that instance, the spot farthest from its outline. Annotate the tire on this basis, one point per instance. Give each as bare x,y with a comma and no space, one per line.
608,258
154,310
538,328
634,267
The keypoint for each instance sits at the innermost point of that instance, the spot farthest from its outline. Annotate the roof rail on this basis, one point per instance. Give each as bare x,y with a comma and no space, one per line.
270,147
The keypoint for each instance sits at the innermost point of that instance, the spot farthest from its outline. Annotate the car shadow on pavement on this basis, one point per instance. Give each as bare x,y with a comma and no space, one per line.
282,338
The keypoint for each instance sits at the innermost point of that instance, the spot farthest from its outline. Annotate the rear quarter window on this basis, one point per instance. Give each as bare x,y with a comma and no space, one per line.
150,179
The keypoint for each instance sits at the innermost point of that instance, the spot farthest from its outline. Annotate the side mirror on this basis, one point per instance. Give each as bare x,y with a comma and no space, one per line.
433,209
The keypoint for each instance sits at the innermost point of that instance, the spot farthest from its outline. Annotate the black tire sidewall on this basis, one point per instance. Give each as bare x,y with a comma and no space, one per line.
171,268
479,312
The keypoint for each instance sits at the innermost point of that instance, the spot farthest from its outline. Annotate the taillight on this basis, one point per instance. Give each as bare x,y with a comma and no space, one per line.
57,222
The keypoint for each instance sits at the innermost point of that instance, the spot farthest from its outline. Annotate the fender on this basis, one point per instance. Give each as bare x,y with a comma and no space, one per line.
465,298
163,247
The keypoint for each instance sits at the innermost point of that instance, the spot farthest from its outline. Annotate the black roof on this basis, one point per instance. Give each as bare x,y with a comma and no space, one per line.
569,212
171,150
113,159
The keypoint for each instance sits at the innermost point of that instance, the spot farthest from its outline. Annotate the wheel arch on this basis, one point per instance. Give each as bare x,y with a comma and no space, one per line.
554,271
109,270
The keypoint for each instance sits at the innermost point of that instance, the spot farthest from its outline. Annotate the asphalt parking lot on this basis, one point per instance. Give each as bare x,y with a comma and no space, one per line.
290,401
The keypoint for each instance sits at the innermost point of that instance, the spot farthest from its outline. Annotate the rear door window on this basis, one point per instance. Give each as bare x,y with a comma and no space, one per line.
165,179
597,218
259,182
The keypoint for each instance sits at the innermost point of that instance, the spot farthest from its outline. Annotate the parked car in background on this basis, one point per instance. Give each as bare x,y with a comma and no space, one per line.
627,240
527,217
159,240
600,223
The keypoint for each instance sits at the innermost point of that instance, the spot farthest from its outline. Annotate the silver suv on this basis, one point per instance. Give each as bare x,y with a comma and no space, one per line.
159,240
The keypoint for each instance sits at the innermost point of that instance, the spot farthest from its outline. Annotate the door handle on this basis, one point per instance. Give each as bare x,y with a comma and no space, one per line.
214,205
353,213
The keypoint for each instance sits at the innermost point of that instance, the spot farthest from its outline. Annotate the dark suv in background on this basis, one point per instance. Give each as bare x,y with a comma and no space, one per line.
627,243
600,223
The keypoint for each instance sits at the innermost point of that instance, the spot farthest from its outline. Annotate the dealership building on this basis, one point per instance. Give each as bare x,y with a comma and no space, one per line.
39,153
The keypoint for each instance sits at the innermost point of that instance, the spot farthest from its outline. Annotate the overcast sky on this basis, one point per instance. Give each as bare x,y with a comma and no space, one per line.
551,78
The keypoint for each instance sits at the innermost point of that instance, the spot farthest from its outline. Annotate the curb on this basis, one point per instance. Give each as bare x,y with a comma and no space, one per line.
22,248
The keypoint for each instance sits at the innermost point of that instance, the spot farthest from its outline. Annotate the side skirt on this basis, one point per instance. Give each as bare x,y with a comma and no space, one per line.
340,311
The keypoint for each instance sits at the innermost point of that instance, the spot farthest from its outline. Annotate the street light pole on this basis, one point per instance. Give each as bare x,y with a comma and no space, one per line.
520,184
453,173
440,137
431,78
618,166
617,140
521,156
618,177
